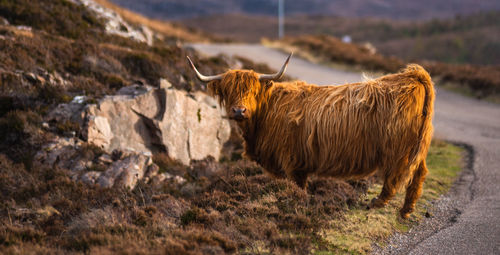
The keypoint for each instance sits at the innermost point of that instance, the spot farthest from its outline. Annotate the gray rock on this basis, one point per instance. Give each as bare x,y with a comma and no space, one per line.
165,84
157,179
59,152
91,177
24,28
80,165
179,179
122,171
148,34
40,79
147,120
98,131
31,77
70,111
125,172
152,171
65,153
105,158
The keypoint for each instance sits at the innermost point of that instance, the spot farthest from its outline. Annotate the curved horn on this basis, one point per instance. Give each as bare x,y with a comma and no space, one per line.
202,77
278,74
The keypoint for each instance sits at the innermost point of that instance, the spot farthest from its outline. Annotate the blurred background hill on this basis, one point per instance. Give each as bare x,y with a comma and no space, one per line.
462,39
403,9
449,31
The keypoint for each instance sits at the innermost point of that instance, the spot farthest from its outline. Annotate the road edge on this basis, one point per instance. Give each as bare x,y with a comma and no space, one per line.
444,211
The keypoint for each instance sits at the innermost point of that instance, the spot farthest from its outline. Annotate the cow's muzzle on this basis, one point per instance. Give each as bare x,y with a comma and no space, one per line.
239,113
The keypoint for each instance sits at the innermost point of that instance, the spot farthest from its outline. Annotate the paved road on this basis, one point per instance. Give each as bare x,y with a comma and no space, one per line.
465,221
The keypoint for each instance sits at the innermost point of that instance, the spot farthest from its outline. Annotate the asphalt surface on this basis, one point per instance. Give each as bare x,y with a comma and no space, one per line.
467,219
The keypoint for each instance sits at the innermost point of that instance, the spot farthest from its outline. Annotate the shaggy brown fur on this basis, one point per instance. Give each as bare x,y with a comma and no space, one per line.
349,131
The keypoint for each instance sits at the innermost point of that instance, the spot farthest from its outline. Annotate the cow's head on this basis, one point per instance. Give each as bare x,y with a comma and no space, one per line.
240,91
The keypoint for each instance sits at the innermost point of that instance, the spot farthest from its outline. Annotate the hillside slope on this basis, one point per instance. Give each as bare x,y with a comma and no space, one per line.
165,28
403,9
473,39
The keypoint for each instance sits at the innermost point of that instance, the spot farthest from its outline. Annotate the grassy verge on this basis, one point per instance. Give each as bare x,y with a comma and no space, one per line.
359,228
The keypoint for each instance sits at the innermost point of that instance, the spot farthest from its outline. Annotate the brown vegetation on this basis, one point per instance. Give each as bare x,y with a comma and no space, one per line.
481,80
237,209
57,17
470,39
332,49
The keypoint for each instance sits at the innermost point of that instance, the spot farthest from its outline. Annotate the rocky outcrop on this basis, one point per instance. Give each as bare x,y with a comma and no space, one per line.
91,166
116,25
146,120
121,133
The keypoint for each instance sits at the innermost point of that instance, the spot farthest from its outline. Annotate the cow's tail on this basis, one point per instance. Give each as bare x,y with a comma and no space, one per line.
419,151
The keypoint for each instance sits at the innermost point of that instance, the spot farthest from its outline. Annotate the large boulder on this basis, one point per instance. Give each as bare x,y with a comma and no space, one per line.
147,120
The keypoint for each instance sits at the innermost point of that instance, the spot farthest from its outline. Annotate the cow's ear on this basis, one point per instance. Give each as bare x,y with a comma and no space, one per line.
268,83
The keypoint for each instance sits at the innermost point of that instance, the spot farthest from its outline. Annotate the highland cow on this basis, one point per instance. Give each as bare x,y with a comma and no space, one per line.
295,129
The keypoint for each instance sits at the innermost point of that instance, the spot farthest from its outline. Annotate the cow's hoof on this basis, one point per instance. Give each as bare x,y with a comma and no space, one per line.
377,203
405,213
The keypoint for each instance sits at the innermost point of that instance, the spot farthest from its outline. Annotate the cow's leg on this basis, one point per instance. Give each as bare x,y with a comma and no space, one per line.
414,190
388,192
392,181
